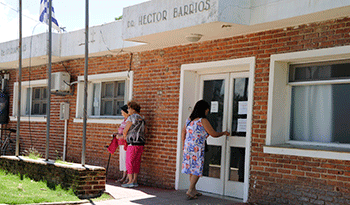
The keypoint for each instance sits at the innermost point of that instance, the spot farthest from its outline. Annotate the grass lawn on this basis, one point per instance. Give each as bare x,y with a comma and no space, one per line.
22,190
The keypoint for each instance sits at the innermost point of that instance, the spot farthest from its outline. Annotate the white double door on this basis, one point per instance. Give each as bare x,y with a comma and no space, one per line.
225,157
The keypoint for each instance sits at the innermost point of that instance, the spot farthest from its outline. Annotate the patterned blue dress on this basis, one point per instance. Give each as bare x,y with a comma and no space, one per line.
193,155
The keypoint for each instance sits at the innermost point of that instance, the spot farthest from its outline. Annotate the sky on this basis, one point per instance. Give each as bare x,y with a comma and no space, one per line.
69,14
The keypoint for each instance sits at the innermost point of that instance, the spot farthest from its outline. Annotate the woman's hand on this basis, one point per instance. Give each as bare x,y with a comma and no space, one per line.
226,133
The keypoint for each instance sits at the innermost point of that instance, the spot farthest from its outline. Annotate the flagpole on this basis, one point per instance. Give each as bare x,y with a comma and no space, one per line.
85,79
19,79
49,83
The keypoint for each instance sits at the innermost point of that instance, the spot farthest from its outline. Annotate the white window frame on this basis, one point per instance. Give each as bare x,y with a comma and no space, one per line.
100,78
187,98
24,90
279,101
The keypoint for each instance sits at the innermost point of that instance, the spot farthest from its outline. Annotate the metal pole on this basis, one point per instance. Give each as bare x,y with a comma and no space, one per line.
49,83
19,79
85,78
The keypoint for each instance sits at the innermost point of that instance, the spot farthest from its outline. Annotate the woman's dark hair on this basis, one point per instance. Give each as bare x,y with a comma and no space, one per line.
125,108
199,110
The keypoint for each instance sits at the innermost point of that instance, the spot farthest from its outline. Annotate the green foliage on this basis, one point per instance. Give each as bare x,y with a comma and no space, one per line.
16,189
119,18
32,153
58,155
62,162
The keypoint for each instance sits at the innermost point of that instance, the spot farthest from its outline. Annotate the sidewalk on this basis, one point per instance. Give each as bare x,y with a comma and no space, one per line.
154,196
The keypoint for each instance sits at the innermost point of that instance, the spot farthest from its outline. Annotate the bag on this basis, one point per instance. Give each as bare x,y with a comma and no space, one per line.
126,147
136,133
113,146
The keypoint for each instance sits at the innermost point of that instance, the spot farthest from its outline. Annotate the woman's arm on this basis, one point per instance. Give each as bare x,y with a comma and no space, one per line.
183,135
210,130
126,129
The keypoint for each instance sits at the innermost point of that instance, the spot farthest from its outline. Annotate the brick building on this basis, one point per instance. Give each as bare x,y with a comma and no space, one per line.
275,73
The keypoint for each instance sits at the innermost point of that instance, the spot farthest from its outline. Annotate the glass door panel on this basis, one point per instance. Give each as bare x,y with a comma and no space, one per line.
236,143
212,161
213,93
214,90
239,107
236,168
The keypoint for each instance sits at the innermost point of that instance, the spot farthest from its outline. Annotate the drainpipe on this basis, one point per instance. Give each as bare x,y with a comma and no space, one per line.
64,115
65,140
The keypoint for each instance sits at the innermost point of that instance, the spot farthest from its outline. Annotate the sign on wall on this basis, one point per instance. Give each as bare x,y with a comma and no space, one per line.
159,16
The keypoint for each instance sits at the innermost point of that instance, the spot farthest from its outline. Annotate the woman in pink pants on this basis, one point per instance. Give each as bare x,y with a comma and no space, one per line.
134,133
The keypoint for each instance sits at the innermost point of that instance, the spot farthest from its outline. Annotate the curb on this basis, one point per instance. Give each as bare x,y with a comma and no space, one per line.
67,202
62,202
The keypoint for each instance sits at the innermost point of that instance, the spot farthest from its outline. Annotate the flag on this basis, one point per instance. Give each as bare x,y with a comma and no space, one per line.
44,14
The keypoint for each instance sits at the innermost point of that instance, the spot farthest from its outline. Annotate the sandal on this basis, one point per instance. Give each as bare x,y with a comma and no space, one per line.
199,194
120,180
191,197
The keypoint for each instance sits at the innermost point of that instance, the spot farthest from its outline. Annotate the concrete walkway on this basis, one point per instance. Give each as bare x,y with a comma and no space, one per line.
152,196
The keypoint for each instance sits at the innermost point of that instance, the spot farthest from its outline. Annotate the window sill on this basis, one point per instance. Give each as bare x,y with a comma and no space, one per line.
29,119
99,120
309,151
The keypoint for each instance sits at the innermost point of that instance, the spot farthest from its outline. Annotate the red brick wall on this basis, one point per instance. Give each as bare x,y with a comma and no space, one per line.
85,182
281,179
159,70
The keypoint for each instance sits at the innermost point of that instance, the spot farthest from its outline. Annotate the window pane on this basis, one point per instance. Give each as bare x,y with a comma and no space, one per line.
28,101
237,160
341,110
44,91
117,106
240,100
319,113
107,108
320,72
39,101
36,93
96,99
111,97
44,109
212,161
36,109
109,88
121,89
214,91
